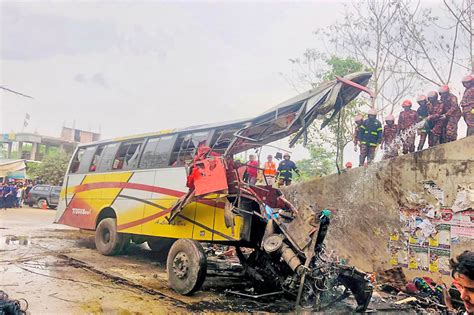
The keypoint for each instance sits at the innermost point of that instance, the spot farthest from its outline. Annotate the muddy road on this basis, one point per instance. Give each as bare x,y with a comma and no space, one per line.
58,271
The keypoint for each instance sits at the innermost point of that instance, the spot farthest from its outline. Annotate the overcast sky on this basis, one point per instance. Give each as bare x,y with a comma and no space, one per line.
136,67
133,67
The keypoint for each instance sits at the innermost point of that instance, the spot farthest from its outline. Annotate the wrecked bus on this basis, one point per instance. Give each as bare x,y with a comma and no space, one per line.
176,189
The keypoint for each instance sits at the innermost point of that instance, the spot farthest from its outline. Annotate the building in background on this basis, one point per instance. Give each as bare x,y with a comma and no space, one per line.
34,147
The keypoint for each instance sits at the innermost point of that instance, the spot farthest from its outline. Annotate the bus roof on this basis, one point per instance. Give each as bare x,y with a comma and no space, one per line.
290,104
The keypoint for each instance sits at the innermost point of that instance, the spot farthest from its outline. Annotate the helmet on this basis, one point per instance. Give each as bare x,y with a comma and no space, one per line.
443,89
358,117
468,78
421,98
372,111
348,165
406,103
390,118
432,94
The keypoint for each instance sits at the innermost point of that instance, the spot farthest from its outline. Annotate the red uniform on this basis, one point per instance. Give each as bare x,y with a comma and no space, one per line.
467,105
436,118
453,114
388,140
406,120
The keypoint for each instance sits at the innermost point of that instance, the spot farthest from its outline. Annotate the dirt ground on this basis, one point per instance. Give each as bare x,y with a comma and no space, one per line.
57,270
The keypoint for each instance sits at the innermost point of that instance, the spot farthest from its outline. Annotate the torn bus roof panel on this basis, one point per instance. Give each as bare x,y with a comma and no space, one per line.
299,112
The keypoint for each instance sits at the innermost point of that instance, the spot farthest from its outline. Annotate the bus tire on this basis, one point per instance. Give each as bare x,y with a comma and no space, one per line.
186,266
107,241
160,244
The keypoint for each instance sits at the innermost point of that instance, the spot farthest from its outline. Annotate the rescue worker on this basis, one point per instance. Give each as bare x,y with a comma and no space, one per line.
453,113
358,121
423,113
370,136
467,103
388,138
436,118
269,170
285,169
406,122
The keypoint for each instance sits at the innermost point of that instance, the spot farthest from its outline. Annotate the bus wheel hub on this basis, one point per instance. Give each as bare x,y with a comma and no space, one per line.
181,265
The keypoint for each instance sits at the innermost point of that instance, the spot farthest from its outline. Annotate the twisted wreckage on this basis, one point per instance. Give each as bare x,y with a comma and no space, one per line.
288,246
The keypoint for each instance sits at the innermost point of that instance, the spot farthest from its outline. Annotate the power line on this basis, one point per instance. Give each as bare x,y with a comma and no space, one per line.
15,92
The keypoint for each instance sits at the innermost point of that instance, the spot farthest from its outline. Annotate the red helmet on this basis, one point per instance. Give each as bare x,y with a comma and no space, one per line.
432,94
468,78
443,89
406,103
348,165
421,98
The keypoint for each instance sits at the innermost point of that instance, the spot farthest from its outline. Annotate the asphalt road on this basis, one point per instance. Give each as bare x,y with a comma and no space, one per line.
57,270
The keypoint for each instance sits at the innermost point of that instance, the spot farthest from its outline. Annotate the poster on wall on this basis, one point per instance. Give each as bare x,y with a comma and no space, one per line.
418,258
441,238
439,261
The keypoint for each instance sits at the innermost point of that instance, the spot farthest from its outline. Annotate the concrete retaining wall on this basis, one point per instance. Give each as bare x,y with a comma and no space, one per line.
389,198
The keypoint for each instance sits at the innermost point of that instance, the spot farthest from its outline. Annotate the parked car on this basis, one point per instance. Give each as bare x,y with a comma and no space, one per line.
41,193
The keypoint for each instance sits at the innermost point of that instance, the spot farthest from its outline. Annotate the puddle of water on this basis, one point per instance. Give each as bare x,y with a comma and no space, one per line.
8,242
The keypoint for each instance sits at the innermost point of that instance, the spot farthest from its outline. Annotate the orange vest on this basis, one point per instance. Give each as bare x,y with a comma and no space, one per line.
269,169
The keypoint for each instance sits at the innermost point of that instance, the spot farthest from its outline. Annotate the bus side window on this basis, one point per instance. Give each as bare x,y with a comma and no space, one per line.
163,151
86,159
184,153
157,152
96,158
76,161
108,156
127,155
148,157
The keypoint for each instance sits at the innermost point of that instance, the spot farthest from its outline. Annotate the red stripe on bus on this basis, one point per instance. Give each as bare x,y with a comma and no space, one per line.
143,220
136,186
125,185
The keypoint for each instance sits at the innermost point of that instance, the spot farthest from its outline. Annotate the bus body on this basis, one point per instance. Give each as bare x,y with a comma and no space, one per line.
139,179
177,188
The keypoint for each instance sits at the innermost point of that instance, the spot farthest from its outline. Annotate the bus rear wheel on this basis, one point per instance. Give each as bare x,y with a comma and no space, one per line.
186,266
107,241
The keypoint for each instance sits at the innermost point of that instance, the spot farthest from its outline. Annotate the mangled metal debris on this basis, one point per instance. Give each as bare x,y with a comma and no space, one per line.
288,248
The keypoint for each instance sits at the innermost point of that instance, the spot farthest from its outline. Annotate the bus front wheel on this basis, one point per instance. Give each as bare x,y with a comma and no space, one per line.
186,266
107,241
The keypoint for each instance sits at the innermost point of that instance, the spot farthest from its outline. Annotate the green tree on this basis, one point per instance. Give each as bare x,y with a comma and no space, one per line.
51,170
320,163
339,132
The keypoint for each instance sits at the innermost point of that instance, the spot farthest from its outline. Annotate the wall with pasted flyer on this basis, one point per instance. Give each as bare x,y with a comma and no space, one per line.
414,211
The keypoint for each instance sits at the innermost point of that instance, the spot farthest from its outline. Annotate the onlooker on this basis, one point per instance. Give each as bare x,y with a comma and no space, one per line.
6,192
269,170
462,270
252,170
19,195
